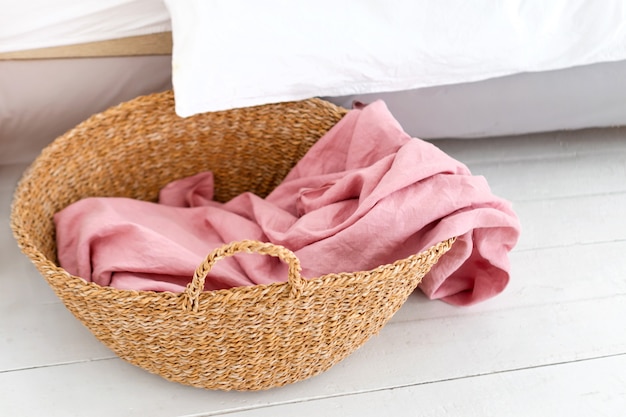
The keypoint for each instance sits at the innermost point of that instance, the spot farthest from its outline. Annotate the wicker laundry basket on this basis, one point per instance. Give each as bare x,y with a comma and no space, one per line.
245,338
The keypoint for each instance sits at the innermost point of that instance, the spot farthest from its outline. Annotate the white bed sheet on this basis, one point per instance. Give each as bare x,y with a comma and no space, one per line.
236,53
33,24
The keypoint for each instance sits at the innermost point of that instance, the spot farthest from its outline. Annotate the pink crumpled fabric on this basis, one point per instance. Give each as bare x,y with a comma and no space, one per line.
365,194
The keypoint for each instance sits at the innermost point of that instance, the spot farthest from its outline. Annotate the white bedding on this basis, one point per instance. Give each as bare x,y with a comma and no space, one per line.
33,24
236,53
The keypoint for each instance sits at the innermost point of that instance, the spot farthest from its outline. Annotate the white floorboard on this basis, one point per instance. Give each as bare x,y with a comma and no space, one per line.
554,343
584,388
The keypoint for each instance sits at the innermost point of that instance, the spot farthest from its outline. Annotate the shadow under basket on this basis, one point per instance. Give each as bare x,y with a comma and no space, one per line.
244,338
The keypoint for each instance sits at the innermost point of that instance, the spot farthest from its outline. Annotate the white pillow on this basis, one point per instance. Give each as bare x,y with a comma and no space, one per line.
238,53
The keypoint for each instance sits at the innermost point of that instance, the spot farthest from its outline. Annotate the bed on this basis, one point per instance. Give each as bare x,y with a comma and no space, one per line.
65,66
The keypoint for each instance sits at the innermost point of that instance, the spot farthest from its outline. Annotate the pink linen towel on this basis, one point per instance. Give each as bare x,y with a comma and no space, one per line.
365,194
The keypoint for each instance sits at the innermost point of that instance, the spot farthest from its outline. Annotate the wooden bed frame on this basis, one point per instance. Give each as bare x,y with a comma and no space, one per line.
153,44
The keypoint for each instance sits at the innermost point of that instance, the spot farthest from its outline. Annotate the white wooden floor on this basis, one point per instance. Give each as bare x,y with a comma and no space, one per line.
553,344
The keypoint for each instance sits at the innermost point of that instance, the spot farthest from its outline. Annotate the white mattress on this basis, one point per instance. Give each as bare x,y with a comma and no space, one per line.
33,24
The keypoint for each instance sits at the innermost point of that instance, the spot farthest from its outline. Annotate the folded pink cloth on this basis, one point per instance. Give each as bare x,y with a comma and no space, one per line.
365,194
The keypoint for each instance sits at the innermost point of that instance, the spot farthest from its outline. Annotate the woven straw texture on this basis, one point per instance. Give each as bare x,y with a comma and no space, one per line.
245,338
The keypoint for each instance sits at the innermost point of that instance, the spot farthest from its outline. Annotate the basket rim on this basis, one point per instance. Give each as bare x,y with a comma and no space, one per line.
44,264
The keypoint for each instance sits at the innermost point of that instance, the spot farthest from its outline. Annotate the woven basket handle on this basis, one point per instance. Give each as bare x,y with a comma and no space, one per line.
196,286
